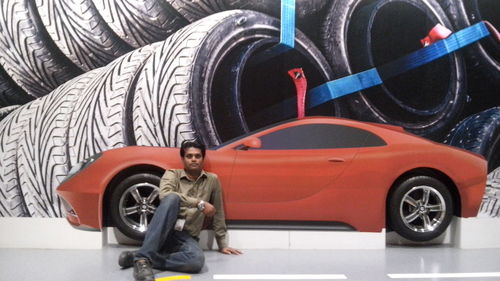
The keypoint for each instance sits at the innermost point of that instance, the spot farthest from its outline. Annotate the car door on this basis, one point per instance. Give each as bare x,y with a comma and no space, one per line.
293,165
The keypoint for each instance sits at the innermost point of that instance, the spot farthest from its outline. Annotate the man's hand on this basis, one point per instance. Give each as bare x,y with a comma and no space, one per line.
209,210
230,251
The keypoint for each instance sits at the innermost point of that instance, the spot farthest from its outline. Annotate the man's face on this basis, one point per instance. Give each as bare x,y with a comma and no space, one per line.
193,160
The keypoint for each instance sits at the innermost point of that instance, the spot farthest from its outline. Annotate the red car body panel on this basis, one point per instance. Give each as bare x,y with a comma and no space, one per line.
348,185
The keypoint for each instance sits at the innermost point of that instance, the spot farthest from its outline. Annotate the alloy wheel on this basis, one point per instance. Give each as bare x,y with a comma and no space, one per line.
423,209
138,204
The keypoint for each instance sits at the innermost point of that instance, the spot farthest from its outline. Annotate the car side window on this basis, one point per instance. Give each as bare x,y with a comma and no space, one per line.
320,136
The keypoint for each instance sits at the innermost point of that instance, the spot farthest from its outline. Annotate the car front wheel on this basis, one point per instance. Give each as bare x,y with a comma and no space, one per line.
133,203
420,208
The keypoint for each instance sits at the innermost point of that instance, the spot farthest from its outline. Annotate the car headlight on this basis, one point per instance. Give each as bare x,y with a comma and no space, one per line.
81,166
68,209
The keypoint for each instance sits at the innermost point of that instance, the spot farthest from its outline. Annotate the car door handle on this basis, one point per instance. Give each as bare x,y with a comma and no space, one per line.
336,159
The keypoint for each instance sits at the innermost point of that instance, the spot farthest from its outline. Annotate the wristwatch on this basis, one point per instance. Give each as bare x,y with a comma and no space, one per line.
201,206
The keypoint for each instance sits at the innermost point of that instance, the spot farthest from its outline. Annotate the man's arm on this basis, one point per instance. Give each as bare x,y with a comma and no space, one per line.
169,184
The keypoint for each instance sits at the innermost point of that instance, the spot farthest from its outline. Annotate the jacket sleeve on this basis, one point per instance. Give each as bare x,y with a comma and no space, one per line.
219,222
169,184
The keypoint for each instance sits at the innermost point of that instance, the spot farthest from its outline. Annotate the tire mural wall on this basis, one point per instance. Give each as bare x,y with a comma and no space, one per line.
80,77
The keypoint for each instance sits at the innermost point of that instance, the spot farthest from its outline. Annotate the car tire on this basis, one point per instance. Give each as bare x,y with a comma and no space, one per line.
359,35
483,55
49,135
168,111
10,92
413,216
33,149
140,22
100,119
198,9
80,32
31,59
479,133
303,8
124,198
11,198
490,206
4,111
41,199
230,84
42,158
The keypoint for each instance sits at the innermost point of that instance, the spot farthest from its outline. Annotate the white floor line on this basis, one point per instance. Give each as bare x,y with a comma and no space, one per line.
279,276
444,275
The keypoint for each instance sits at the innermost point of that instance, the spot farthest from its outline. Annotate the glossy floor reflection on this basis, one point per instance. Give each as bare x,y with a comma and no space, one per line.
80,265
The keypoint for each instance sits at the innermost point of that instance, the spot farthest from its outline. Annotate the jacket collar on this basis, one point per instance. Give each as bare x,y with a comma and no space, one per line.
184,175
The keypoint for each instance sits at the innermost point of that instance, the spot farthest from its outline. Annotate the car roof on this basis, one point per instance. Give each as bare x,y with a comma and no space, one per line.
312,120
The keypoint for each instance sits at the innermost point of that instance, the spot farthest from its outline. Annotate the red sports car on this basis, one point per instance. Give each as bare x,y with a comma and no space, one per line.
317,172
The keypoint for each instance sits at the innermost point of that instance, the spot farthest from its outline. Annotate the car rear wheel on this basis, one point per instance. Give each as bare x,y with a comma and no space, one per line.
420,208
133,203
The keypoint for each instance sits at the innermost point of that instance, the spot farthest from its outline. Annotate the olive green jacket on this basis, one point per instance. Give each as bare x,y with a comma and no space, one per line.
207,188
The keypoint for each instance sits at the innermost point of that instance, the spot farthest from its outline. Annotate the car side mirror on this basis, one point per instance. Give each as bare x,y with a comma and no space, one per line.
252,143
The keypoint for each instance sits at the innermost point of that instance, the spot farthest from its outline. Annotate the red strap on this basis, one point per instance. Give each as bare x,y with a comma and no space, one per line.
494,33
438,32
300,81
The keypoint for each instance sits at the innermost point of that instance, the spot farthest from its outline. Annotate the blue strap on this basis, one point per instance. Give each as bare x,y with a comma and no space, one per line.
343,86
375,76
287,34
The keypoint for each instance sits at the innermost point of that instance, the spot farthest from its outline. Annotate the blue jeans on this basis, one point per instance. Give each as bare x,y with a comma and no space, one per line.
167,248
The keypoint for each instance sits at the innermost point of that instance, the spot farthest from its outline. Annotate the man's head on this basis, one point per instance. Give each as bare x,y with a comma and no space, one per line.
192,154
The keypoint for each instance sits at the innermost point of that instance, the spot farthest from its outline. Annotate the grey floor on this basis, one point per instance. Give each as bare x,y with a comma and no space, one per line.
95,265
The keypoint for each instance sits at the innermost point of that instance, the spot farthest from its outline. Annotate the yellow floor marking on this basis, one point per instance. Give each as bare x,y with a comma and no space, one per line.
178,277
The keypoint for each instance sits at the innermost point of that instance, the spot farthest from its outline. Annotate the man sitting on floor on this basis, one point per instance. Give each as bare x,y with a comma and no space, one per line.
171,241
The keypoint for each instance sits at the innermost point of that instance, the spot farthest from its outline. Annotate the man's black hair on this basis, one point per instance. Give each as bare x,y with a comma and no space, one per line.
188,144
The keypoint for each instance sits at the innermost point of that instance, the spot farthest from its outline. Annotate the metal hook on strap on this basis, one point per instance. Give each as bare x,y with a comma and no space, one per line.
438,32
300,81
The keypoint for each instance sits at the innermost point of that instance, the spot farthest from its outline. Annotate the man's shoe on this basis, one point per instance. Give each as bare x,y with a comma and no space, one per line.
143,270
126,259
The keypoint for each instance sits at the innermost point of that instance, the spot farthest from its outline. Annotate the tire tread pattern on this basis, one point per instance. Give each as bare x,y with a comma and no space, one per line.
80,32
26,52
161,112
11,198
10,92
42,150
140,22
479,133
490,206
194,10
98,120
